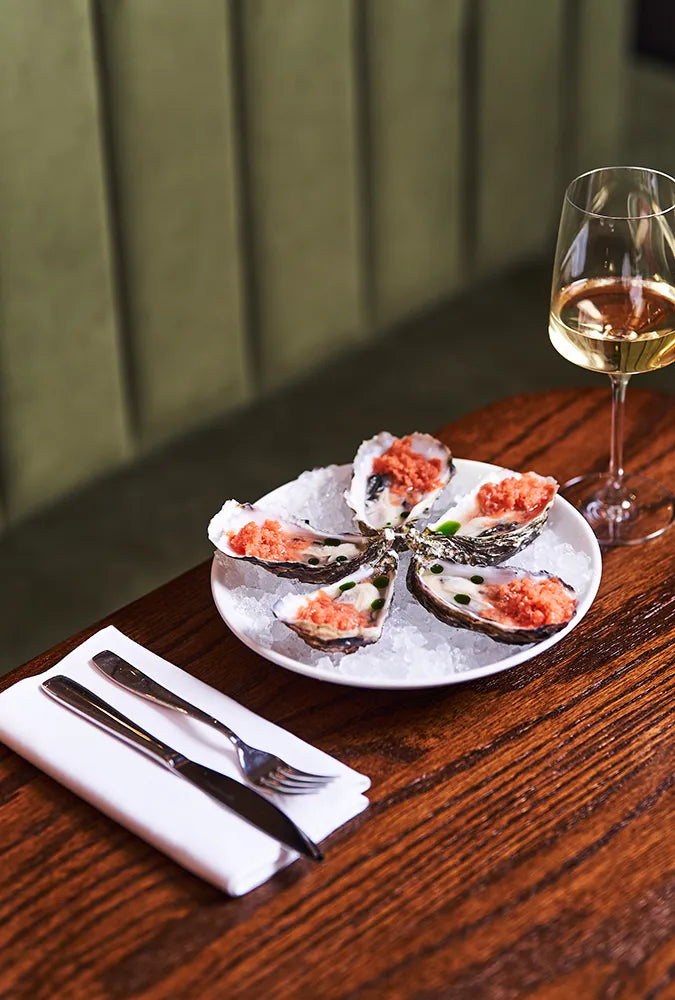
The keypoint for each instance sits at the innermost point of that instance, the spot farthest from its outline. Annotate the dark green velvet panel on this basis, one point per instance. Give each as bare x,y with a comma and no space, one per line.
520,128
63,416
415,57
601,87
299,79
169,80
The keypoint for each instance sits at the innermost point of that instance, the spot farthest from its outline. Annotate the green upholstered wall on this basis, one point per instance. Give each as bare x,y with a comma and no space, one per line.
201,200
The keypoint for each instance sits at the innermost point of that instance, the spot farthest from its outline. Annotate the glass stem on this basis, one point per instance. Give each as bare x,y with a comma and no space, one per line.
619,384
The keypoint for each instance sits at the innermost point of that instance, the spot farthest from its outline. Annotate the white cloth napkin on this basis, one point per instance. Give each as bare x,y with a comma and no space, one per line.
175,816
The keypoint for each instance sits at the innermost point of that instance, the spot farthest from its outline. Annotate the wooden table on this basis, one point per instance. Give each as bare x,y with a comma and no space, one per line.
519,841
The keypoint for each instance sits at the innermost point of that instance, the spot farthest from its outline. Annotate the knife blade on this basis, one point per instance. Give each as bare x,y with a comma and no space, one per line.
240,799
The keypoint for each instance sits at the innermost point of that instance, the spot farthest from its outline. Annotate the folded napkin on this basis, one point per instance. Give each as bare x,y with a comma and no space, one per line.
159,806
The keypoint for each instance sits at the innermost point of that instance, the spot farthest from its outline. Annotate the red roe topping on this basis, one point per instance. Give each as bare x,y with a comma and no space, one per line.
530,603
410,474
267,541
323,610
526,495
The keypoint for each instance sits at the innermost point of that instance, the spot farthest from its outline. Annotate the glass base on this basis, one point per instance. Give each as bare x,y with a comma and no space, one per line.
640,510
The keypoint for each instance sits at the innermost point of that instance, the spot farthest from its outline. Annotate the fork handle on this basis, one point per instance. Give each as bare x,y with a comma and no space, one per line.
132,679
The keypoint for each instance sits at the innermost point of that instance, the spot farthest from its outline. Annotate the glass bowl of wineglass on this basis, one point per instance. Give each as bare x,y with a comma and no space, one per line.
613,311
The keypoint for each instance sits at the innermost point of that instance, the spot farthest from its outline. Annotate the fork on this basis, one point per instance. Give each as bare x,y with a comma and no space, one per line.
261,768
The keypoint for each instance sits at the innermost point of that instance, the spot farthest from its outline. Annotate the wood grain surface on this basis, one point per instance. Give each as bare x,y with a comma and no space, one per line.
519,842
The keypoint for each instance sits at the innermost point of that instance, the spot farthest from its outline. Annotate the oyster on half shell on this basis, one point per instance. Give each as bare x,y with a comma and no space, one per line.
510,605
396,480
345,616
503,514
290,548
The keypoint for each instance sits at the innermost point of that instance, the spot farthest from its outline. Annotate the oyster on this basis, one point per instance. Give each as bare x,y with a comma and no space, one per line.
288,548
347,615
510,605
499,517
395,480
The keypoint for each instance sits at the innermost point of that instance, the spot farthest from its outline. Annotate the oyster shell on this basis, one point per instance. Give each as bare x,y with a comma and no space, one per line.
289,548
468,597
466,533
380,500
346,615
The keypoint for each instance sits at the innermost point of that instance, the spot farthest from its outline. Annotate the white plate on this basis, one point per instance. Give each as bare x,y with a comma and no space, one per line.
416,650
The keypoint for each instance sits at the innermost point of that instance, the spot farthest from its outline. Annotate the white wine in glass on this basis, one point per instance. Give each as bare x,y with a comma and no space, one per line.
613,311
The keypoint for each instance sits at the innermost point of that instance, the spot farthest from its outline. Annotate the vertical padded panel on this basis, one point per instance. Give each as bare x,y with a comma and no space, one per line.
415,60
601,93
63,409
169,91
300,110
520,124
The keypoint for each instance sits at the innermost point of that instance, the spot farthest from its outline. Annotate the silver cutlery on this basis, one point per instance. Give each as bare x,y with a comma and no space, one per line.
241,799
261,768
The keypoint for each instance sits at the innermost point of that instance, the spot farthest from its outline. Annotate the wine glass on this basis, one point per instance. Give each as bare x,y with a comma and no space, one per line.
613,310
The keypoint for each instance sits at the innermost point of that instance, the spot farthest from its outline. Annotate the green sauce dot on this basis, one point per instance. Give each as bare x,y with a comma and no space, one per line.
436,568
347,586
332,541
462,598
380,582
313,561
477,579
448,528
404,513
378,604
341,559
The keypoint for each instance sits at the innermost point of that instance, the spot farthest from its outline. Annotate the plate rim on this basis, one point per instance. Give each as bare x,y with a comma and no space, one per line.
524,653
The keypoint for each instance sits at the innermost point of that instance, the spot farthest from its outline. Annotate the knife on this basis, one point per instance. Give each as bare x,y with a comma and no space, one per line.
242,800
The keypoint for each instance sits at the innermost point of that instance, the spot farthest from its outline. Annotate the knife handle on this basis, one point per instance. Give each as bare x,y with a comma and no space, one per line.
87,704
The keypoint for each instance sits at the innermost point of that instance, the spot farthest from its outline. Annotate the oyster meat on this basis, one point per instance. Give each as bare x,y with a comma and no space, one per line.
499,517
509,604
395,480
289,548
347,615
